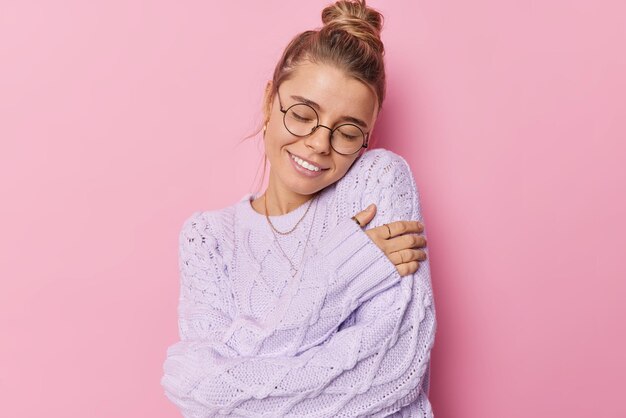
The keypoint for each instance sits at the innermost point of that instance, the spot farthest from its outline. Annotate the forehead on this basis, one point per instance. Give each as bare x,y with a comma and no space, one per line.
332,89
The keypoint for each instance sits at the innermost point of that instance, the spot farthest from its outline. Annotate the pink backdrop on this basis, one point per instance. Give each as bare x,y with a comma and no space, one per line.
118,119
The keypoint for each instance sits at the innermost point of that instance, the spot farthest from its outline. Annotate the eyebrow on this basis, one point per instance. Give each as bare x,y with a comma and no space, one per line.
351,119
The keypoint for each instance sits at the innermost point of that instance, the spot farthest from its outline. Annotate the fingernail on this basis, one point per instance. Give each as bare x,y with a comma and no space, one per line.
370,207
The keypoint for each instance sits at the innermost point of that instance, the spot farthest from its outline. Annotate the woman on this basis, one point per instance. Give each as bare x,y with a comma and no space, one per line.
298,302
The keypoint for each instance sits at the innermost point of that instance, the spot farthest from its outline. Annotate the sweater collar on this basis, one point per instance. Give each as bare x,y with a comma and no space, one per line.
249,216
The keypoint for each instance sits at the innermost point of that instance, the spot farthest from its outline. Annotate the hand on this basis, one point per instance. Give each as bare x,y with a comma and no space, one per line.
397,240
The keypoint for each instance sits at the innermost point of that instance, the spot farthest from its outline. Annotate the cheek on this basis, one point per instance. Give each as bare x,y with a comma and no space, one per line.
274,139
342,166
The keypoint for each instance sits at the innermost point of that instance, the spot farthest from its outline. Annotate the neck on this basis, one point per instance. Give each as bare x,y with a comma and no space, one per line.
280,201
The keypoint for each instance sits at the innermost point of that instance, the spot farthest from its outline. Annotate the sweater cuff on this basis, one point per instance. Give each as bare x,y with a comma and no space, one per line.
357,264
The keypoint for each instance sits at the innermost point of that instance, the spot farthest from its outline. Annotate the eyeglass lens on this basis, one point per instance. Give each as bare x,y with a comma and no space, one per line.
301,120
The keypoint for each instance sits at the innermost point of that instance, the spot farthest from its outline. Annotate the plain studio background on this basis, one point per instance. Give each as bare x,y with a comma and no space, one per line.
118,119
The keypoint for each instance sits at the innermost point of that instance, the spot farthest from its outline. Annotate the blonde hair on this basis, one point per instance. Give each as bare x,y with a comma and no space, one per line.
349,40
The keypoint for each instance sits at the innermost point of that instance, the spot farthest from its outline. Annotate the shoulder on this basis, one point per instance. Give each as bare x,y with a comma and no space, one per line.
377,155
382,177
209,228
374,167
205,220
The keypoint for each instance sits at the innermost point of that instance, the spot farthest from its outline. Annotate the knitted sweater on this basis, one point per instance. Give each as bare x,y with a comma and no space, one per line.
346,336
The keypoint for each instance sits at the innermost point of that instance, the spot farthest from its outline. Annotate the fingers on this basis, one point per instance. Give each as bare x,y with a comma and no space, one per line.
398,240
407,268
406,255
365,216
404,252
407,261
404,241
399,228
405,227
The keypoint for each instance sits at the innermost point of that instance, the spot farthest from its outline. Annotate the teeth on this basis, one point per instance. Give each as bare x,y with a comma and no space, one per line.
304,164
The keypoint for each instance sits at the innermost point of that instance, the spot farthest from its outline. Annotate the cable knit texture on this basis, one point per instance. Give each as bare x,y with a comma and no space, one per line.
347,336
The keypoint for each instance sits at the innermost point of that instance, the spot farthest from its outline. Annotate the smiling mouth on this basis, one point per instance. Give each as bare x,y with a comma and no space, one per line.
304,164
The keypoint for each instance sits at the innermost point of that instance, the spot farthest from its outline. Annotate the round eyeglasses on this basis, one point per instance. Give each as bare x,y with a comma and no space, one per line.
302,120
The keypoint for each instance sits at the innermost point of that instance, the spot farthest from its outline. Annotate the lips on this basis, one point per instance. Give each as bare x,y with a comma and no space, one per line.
308,161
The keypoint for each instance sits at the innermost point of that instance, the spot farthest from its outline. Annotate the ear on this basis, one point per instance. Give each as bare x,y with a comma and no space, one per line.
267,101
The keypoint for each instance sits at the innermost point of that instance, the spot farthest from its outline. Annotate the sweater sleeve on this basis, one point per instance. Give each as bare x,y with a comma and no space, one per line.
377,363
344,271
204,308
318,300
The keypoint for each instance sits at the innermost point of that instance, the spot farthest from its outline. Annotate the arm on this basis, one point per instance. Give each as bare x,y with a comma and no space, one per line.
401,189
344,271
316,303
378,362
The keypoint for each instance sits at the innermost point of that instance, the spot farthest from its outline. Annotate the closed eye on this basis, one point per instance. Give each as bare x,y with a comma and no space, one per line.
300,118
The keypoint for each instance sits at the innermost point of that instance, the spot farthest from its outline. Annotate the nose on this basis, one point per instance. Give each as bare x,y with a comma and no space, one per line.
319,140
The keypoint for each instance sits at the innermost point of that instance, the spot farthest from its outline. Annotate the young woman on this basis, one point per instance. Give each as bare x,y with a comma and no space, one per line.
298,302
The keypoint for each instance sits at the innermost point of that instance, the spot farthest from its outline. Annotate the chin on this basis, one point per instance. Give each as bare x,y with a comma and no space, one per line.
302,187
305,190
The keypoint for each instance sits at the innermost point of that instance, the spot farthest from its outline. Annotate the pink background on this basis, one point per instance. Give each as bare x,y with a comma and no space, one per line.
118,119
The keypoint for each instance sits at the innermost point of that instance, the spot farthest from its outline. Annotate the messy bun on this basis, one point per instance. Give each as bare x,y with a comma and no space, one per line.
349,40
348,9
356,19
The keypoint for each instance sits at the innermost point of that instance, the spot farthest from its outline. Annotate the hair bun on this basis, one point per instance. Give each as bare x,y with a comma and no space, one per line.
356,18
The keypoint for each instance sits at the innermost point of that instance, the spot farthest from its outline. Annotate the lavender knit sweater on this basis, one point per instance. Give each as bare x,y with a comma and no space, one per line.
346,336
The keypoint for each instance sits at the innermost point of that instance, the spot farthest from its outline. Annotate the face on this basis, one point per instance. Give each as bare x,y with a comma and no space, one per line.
338,97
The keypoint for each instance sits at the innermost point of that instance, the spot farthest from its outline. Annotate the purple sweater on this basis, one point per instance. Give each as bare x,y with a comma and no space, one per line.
346,336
